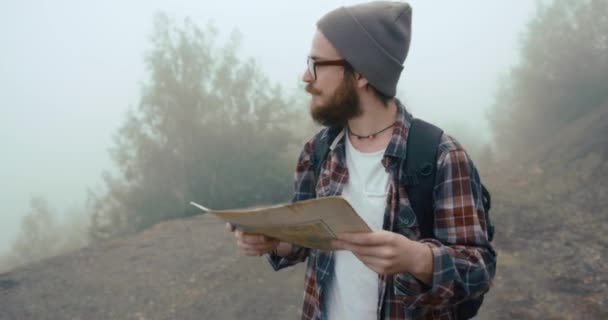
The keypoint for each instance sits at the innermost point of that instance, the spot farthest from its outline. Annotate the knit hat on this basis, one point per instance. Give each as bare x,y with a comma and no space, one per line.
374,38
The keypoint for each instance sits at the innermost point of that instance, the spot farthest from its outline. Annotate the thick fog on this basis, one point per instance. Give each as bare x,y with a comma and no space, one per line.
70,70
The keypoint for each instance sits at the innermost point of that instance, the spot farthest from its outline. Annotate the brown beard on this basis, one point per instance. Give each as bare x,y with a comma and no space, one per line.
341,107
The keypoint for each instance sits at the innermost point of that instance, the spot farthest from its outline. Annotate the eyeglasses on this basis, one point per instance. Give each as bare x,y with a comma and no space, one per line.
313,64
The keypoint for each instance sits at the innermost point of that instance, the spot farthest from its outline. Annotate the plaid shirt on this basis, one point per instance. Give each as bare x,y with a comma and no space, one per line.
464,262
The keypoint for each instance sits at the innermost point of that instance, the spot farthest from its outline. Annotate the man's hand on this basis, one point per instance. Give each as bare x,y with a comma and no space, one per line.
252,244
388,253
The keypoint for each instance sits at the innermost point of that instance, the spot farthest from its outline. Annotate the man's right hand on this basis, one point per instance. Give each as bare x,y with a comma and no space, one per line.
252,244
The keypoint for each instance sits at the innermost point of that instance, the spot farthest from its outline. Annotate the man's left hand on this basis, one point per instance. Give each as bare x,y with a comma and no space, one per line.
383,251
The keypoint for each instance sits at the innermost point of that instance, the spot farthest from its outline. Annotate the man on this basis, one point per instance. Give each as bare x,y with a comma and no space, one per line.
391,273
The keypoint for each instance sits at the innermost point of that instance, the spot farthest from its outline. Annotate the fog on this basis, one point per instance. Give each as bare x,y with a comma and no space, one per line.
70,70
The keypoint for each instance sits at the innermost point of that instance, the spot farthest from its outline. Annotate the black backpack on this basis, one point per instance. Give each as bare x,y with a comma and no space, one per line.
420,168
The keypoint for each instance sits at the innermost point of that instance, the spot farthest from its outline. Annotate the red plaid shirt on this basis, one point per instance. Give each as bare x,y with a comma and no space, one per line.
464,262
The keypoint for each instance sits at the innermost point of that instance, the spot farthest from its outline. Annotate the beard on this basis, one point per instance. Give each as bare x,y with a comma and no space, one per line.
342,106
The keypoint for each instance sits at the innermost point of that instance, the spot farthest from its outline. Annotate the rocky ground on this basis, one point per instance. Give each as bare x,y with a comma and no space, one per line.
188,269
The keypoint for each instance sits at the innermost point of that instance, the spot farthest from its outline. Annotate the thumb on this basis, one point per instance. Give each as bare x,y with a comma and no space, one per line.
230,227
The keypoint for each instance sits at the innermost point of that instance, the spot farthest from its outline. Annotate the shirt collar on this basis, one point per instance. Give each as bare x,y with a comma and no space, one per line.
403,121
395,151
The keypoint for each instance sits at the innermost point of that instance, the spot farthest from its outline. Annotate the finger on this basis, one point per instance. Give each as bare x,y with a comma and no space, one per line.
366,239
245,248
372,251
380,252
367,251
349,246
340,245
270,239
273,242
262,247
256,251
251,253
254,238
248,237
378,265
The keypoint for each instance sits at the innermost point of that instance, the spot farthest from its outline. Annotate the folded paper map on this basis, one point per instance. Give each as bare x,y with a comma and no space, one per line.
311,223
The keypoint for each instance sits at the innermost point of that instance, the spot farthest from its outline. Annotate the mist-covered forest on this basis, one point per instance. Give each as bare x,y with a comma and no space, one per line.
211,127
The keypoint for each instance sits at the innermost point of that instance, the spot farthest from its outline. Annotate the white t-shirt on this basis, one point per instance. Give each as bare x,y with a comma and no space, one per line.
353,292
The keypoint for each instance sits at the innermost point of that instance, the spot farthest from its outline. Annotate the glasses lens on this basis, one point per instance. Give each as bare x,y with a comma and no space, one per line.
311,67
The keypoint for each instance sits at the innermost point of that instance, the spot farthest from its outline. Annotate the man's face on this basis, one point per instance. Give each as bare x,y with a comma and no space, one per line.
334,97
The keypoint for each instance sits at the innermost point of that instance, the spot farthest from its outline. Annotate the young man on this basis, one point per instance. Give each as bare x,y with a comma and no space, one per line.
391,273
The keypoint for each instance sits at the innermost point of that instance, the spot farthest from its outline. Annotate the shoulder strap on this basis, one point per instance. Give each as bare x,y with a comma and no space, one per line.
486,199
420,168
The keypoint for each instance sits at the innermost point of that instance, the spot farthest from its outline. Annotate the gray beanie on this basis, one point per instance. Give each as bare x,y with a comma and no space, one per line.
374,38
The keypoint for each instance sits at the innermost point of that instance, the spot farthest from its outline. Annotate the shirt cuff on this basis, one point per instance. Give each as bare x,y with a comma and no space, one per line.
296,255
439,292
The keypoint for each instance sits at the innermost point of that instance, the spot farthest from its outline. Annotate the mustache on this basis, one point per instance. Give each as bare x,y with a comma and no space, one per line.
312,90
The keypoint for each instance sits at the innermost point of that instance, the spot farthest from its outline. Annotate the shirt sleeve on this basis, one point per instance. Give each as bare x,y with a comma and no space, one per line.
298,254
464,262
304,184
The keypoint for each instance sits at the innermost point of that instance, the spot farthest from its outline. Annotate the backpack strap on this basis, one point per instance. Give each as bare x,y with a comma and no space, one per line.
486,199
420,169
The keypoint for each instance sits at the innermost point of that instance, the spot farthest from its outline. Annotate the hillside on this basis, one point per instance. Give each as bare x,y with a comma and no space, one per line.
551,220
183,269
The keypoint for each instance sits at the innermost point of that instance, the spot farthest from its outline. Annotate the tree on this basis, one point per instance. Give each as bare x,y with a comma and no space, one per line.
562,76
210,128
38,238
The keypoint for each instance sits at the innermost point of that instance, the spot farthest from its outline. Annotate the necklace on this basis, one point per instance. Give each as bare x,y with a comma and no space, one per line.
371,136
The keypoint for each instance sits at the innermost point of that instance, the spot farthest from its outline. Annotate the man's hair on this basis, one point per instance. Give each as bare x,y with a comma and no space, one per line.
349,71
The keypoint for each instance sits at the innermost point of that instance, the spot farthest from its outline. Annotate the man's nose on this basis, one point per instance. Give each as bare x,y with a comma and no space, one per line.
307,77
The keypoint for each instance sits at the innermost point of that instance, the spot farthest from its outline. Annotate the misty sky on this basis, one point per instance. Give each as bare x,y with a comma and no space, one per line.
69,71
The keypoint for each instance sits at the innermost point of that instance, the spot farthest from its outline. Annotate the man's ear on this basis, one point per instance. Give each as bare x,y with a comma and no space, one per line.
361,81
